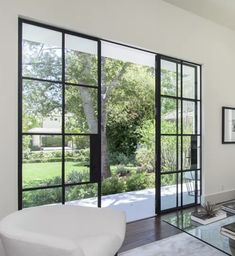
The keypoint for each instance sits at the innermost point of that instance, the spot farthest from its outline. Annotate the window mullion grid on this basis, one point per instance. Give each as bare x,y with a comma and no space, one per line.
158,136
20,135
196,132
200,81
99,71
58,82
177,137
63,119
181,127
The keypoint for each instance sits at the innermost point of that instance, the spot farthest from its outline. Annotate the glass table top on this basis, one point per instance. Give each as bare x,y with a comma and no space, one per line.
209,234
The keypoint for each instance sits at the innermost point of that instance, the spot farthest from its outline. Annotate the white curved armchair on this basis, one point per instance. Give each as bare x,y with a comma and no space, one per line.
63,231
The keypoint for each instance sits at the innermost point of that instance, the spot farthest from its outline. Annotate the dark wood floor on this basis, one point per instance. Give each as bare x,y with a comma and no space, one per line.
145,231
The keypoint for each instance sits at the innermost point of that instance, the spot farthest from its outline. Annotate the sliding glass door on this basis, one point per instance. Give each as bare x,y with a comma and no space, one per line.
59,109
179,140
102,122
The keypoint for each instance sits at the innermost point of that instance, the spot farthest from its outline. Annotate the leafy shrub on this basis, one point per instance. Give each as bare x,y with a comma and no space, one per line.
168,180
145,159
42,197
116,158
81,192
75,176
113,185
122,170
145,153
137,181
81,156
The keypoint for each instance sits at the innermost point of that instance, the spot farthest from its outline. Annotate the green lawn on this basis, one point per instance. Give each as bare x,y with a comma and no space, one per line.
34,172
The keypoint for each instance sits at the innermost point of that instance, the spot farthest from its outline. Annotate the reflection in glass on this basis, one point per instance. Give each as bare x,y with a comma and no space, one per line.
168,191
42,54
81,60
190,152
77,159
81,110
41,160
42,107
189,187
229,124
42,197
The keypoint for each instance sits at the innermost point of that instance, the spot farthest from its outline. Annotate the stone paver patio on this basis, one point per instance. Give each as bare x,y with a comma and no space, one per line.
138,204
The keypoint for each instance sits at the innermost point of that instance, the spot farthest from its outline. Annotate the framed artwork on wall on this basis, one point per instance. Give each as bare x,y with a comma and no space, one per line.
228,125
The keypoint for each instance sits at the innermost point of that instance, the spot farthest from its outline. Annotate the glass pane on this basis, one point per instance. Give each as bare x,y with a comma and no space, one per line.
168,191
77,159
190,152
42,197
80,110
198,118
198,82
168,116
188,117
198,153
199,186
189,81
179,116
42,107
168,153
83,195
42,53
168,78
179,79
41,160
189,187
229,124
179,175
81,60
179,152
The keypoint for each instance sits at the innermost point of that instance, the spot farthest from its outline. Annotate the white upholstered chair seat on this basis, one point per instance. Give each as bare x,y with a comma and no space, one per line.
63,231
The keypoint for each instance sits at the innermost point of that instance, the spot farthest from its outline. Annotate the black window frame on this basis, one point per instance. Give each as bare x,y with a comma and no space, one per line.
96,142
179,132
95,139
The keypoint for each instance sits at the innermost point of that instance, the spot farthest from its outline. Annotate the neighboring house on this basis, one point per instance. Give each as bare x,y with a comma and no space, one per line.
47,142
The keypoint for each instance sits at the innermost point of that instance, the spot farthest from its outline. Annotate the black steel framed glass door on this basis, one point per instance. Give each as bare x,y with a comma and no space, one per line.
179,134
59,115
60,75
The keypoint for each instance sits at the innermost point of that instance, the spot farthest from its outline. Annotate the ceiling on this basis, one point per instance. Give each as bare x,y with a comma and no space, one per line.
219,11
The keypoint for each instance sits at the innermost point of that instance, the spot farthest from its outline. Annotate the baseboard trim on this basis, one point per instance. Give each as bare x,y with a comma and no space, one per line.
220,197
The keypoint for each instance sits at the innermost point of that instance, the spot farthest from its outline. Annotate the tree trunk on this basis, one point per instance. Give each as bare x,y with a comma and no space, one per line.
87,104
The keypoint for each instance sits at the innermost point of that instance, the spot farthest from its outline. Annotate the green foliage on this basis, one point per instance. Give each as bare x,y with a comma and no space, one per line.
81,192
81,156
129,103
75,176
113,185
134,181
209,209
168,179
145,154
168,81
137,181
117,158
121,170
168,153
42,197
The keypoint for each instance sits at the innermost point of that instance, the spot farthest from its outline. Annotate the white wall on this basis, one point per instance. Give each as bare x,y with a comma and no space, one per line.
151,24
